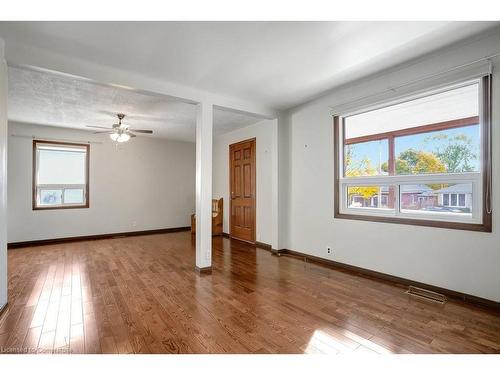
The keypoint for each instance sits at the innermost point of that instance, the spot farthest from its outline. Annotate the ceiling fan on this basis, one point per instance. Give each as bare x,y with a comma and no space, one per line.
120,132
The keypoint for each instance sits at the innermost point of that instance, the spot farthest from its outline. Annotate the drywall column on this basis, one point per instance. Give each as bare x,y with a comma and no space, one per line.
204,126
3,177
284,186
275,243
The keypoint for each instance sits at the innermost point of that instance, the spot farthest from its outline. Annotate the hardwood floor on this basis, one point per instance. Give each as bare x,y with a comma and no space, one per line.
141,295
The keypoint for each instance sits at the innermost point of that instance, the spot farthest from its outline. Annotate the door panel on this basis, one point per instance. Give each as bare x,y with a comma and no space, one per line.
247,178
242,181
237,182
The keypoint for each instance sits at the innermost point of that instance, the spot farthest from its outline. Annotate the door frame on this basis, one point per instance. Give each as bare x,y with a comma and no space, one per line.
254,157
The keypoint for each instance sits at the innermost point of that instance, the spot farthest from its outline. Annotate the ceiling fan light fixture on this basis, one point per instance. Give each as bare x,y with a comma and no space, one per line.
119,132
124,137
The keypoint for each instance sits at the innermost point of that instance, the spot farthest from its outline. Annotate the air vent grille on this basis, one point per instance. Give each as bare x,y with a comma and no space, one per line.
426,294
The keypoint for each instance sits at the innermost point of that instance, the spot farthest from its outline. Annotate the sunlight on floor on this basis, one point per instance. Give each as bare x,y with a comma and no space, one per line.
327,341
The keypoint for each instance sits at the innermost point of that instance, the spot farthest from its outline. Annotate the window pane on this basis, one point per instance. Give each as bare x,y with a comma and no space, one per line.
446,199
370,197
443,151
366,158
73,196
437,198
438,133
50,197
457,103
59,166
453,200
461,200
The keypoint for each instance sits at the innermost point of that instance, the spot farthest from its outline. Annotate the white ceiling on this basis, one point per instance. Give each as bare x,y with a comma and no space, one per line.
59,100
278,64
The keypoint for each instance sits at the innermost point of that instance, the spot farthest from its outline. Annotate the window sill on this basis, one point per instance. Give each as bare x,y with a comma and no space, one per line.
59,207
419,222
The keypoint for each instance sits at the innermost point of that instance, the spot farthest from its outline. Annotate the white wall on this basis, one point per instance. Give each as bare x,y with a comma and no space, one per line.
464,261
265,134
147,181
3,175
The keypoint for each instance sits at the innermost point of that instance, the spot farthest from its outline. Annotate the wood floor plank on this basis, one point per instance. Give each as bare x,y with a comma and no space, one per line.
46,344
32,339
62,338
92,344
18,335
141,295
77,339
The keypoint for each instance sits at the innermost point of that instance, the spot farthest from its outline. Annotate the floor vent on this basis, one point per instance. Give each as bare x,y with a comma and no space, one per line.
426,294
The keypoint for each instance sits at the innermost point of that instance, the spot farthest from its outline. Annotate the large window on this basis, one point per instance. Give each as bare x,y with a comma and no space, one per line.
60,175
422,160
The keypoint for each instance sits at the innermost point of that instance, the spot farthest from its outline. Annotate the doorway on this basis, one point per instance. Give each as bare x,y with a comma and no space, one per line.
242,178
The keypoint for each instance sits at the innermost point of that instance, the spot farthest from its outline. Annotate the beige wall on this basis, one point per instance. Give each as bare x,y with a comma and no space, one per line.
145,184
464,261
264,132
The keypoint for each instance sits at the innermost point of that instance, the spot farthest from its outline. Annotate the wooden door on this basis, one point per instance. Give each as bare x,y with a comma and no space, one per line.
242,190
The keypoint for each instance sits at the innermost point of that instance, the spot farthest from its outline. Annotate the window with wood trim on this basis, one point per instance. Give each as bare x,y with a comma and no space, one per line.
421,160
60,175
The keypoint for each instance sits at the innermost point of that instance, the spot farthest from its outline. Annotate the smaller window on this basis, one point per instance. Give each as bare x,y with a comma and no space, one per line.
454,200
60,175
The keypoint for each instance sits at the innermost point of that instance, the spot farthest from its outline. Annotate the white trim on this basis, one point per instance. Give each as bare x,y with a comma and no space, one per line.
61,186
413,179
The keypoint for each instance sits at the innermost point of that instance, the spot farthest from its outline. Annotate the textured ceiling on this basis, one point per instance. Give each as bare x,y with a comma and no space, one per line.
276,64
59,100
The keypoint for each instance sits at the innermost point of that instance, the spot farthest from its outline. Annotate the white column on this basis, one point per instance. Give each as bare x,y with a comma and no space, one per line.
275,243
3,177
283,135
204,126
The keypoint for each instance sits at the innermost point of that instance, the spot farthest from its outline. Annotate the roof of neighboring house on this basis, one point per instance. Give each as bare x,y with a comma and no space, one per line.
410,189
457,188
421,188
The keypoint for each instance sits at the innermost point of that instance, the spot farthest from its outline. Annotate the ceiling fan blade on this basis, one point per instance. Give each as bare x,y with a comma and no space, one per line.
97,127
104,132
141,131
132,135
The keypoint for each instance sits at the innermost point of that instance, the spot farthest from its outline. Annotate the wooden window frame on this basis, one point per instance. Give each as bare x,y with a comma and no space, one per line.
35,185
484,118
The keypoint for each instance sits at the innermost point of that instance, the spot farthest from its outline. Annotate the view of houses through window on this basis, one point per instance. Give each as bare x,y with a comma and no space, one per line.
446,198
